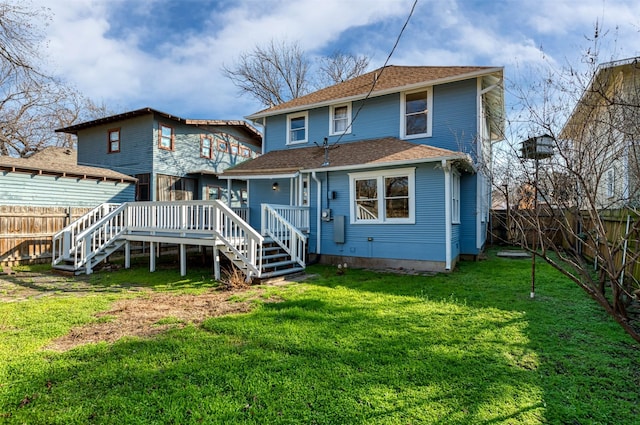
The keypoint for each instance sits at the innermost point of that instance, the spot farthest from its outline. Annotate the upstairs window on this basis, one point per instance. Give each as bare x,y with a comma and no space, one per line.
297,128
245,151
165,137
416,114
206,146
223,146
113,140
340,120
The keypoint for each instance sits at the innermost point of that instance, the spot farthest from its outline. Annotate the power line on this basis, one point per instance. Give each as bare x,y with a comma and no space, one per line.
384,66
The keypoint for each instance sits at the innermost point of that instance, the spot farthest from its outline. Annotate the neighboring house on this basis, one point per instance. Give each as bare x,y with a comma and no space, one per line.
389,165
172,158
52,178
605,129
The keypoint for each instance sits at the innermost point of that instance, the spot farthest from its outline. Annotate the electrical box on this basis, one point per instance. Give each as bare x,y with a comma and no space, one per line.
326,214
338,229
332,194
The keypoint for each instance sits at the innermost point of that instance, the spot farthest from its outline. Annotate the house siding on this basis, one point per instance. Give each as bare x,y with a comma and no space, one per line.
468,214
423,240
454,120
51,191
136,146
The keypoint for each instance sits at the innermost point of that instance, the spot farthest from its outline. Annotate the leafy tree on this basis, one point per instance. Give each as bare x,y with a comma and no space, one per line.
280,71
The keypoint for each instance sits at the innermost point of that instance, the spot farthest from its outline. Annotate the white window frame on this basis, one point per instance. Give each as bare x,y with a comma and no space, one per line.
403,110
380,176
611,183
291,117
455,197
332,119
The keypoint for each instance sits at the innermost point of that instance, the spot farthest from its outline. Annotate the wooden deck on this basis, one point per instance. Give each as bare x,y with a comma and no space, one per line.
110,228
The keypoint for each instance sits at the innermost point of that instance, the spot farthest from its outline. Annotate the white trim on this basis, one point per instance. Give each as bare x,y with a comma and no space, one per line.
403,118
380,175
391,163
455,195
446,167
332,109
305,115
360,96
259,176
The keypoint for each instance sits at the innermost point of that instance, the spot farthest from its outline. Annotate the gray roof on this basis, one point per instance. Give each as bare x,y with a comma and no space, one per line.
60,162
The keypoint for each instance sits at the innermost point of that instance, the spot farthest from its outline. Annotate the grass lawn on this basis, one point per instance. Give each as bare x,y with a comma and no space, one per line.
469,347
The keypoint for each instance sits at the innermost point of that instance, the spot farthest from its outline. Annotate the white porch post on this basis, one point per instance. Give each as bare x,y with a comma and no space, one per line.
127,255
216,263
446,167
183,260
152,256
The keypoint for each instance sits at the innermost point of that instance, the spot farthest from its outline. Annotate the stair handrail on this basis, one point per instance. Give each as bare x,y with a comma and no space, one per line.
276,226
71,231
239,237
103,232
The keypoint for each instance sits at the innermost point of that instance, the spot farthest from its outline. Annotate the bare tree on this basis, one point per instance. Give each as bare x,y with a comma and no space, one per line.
280,71
274,73
578,190
339,67
32,103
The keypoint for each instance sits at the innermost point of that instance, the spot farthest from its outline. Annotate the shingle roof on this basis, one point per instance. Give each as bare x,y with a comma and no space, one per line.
73,129
386,79
60,161
362,154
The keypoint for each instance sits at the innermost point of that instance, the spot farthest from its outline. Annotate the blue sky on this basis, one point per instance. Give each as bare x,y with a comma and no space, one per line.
168,54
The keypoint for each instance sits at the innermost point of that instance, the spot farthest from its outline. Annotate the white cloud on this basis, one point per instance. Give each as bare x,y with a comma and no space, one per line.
132,64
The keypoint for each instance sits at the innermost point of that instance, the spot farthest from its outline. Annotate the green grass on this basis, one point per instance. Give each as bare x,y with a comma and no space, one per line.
361,348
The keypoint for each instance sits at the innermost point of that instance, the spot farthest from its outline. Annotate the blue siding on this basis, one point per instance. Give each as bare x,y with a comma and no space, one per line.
455,241
423,240
261,192
454,127
454,120
468,214
42,190
136,146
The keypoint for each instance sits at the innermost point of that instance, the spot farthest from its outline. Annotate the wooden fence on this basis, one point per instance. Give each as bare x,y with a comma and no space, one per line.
503,232
26,232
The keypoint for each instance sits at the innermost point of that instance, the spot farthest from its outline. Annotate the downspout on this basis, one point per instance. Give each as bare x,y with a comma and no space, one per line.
318,208
446,167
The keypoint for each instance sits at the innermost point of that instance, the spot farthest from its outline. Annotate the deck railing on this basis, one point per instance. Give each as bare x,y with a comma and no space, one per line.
284,233
66,239
297,216
211,219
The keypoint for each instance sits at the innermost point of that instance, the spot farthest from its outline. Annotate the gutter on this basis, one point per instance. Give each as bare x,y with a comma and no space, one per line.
446,167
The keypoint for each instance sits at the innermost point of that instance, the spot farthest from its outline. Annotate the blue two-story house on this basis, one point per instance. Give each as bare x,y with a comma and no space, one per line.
172,158
384,170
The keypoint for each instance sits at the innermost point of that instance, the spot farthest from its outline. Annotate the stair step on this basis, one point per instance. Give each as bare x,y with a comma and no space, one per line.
278,264
275,273
275,256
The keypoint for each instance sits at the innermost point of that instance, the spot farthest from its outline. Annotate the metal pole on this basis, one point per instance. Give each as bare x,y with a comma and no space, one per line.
535,233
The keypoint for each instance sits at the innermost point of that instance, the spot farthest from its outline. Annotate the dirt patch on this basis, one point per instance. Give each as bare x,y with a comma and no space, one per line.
150,315
144,315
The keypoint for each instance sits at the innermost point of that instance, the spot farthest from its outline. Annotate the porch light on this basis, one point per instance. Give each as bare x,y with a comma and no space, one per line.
275,186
